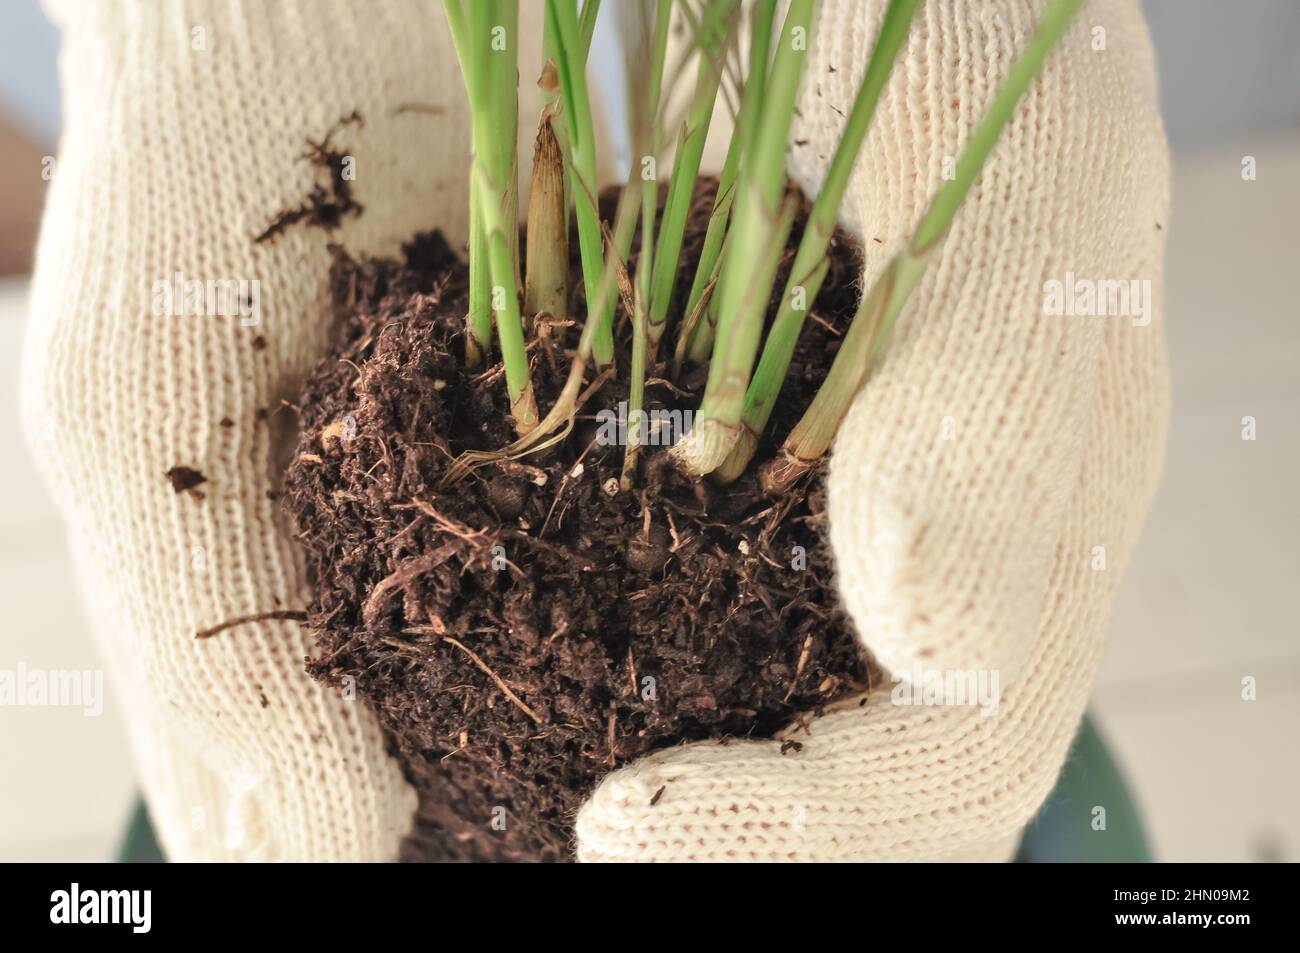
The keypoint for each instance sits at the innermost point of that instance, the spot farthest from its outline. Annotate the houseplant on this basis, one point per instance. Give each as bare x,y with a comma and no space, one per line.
493,578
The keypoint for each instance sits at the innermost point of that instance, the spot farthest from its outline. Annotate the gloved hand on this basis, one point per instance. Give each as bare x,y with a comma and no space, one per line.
990,480
961,553
184,133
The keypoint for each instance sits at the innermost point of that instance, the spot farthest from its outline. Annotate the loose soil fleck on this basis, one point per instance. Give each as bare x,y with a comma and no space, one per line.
326,205
184,478
275,615
522,633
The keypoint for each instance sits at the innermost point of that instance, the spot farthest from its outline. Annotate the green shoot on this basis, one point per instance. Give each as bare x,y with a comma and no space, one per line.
570,57
587,25
643,129
711,38
547,293
813,434
485,34
874,321
478,337
810,263
698,340
745,239
750,265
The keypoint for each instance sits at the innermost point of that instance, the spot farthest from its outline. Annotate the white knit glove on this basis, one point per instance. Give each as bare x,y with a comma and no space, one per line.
963,553
185,126
989,483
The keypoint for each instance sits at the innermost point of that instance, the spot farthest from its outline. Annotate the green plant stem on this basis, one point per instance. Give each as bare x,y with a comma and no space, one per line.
696,339
750,265
491,80
570,64
587,26
552,100
698,344
871,325
478,337
811,263
643,122
478,340
636,391
711,40
874,321
507,79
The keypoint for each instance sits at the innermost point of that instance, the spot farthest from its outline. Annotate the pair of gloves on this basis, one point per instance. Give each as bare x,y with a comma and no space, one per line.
984,492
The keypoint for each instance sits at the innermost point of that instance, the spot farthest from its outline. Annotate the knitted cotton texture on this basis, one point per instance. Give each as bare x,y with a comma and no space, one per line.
185,126
995,450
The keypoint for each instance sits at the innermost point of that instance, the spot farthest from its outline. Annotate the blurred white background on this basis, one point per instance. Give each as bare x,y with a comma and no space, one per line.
1211,594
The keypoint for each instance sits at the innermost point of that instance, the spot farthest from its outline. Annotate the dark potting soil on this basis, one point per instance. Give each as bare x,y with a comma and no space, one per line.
523,632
